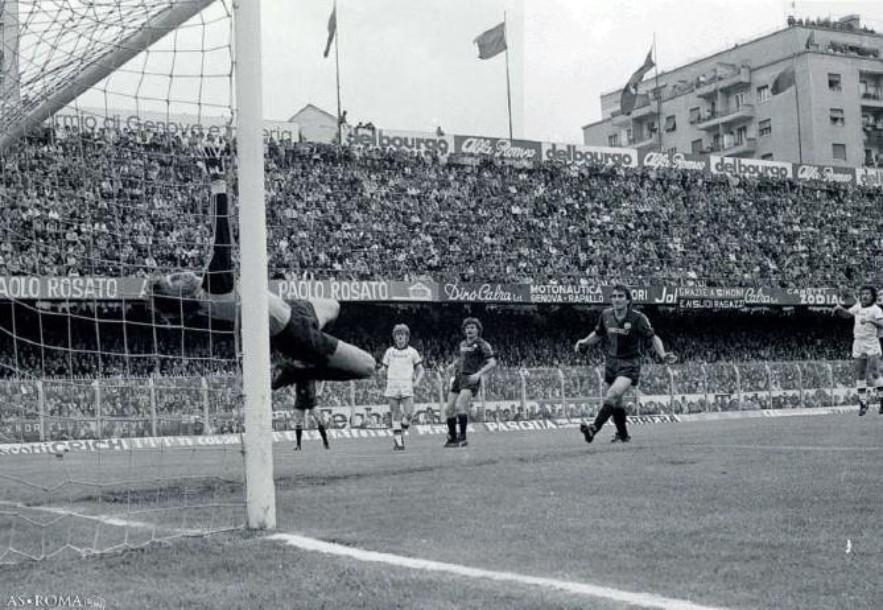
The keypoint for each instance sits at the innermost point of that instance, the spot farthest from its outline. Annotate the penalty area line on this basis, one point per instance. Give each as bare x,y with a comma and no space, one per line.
645,600
822,448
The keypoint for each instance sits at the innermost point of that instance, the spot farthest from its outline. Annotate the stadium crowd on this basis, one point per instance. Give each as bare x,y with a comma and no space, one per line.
114,202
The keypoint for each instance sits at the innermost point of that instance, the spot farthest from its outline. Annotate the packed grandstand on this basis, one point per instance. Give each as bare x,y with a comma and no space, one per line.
125,204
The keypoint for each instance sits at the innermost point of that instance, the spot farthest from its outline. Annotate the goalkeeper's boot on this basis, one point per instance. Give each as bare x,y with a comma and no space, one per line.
620,438
588,431
398,442
451,442
461,441
862,407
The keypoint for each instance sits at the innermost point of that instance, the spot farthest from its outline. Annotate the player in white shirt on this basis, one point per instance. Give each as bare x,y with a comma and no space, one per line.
404,371
866,350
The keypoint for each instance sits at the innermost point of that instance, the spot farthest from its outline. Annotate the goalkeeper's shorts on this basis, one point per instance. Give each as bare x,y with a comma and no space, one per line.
302,339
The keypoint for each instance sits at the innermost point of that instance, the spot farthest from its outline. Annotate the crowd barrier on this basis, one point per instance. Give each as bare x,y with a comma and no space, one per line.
70,409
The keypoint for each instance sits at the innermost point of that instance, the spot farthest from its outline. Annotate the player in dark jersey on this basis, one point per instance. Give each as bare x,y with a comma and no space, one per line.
476,359
625,330
296,332
305,401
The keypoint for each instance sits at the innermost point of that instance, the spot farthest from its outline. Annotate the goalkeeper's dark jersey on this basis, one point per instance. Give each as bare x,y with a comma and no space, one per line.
626,336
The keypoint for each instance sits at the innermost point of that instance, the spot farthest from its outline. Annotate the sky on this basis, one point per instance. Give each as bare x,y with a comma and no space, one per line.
412,64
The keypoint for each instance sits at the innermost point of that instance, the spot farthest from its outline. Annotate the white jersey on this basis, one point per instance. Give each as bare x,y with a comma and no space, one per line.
864,335
400,365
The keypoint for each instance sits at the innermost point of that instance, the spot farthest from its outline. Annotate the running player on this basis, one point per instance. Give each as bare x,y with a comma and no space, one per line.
404,371
865,344
624,329
295,328
476,360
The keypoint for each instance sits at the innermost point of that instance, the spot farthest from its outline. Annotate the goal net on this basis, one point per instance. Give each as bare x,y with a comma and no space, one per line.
118,427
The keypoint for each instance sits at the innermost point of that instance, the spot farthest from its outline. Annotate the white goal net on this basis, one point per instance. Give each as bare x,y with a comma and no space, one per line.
118,427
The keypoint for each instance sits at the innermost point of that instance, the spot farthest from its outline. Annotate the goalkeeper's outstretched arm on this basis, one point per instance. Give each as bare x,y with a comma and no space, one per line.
219,278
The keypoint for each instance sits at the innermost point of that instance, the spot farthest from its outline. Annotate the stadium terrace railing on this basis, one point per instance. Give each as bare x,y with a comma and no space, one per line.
68,409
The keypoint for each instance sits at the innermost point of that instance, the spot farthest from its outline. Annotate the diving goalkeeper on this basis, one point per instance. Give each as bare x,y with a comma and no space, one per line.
295,328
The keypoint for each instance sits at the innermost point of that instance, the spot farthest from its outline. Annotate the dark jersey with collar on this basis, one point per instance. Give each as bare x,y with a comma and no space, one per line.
625,336
474,355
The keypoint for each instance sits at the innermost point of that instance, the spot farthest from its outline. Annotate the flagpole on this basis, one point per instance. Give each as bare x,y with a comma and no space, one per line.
508,88
337,71
658,92
797,102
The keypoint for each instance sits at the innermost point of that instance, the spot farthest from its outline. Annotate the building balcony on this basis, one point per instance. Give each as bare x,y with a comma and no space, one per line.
650,141
873,135
872,99
648,109
709,122
746,147
726,83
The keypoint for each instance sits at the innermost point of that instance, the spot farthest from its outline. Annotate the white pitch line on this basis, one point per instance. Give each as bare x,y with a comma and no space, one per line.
645,600
789,448
105,519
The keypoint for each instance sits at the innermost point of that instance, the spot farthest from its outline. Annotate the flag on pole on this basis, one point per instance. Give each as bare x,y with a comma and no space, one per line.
332,30
491,42
630,91
784,81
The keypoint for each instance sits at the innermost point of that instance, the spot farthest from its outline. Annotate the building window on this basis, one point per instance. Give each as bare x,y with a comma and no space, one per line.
670,123
738,100
763,93
837,117
613,140
696,146
834,82
630,136
694,115
765,128
673,150
767,156
839,151
741,136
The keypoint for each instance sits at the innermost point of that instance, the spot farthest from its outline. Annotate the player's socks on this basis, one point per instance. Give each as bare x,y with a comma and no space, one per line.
862,398
298,433
880,397
452,429
462,420
323,434
603,415
619,420
398,441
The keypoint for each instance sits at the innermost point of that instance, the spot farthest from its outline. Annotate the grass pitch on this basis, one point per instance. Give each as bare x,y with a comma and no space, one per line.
755,513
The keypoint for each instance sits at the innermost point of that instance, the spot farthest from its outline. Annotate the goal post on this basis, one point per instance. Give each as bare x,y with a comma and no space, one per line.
260,490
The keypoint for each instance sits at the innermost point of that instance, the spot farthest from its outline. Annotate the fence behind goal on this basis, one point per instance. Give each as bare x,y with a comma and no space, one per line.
69,409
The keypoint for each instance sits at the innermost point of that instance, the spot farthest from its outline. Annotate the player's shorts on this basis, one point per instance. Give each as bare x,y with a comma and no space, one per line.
459,384
622,367
866,348
399,389
305,396
302,339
